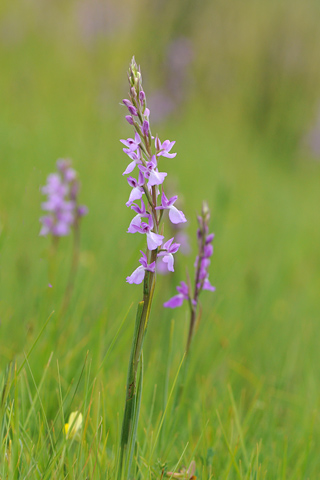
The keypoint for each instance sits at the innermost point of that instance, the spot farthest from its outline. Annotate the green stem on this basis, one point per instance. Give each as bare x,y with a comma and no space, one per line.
52,260
73,270
191,328
130,413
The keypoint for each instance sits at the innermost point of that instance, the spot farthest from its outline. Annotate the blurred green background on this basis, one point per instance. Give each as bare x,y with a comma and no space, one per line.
237,85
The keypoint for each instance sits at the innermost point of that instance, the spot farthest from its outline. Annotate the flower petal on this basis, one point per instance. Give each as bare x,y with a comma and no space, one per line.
174,302
176,216
183,289
135,222
129,168
136,194
169,260
207,286
167,155
167,245
137,276
154,240
156,178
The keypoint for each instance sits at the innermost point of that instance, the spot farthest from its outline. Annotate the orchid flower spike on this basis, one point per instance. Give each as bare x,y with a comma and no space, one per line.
144,152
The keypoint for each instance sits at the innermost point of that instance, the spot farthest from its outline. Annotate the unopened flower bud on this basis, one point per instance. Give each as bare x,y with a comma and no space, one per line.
157,143
129,119
134,75
142,96
205,212
209,238
145,127
133,110
133,66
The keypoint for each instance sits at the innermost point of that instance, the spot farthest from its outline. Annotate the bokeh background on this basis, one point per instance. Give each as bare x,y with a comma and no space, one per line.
237,85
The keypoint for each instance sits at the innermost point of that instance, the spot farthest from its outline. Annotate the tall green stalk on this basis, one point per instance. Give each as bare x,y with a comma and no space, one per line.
201,282
73,269
130,418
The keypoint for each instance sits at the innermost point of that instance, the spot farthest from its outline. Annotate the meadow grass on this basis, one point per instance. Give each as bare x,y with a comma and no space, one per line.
250,408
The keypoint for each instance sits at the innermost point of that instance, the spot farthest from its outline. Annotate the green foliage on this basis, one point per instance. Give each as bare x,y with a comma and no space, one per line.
250,404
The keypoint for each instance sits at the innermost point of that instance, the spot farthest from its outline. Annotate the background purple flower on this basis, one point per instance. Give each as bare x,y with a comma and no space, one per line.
201,281
178,300
62,203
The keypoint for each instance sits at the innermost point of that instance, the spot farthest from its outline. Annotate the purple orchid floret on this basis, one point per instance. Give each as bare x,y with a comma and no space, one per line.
208,250
137,190
154,240
139,273
144,262
136,221
136,160
55,186
207,285
164,148
151,173
62,205
131,144
139,210
167,251
203,270
178,300
176,216
56,203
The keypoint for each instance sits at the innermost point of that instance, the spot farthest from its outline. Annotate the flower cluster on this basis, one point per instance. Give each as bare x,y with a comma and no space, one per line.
62,205
145,152
201,266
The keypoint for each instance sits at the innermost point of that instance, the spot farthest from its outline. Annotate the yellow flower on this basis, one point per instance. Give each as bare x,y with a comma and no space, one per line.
74,424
